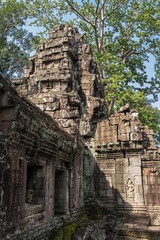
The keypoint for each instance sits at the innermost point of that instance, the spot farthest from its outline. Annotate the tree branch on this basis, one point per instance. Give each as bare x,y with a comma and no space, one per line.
129,53
152,35
79,14
114,9
41,20
101,28
152,53
102,7
97,9
141,52
7,27
133,48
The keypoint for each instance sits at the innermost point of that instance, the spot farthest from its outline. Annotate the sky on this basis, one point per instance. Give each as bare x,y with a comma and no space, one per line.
150,73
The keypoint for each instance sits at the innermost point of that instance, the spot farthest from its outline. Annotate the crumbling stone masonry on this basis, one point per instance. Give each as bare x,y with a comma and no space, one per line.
76,157
40,169
127,168
62,79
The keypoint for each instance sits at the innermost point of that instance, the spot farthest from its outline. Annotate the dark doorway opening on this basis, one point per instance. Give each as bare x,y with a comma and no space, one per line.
35,185
60,192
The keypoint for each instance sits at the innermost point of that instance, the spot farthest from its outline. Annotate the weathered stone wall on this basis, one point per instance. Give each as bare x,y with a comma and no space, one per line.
34,152
62,79
120,170
127,167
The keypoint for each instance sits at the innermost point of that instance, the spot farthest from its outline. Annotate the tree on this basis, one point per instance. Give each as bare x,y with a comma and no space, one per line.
123,34
15,41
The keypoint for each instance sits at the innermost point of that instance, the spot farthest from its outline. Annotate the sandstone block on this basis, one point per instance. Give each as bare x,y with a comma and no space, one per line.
123,137
114,120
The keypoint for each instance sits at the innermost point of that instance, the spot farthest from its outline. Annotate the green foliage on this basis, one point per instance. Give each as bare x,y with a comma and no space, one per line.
148,115
151,116
123,35
67,231
15,41
46,13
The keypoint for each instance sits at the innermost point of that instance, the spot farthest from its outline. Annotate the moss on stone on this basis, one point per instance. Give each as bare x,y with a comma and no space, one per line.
83,219
66,232
69,231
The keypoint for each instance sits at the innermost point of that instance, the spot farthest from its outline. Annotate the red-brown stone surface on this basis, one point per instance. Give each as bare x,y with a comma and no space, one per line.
61,153
62,79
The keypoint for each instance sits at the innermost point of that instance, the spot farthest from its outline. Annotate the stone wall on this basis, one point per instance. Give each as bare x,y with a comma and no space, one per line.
62,79
40,168
119,171
127,167
120,157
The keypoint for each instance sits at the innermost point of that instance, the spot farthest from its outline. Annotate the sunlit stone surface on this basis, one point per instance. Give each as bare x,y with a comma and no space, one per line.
62,156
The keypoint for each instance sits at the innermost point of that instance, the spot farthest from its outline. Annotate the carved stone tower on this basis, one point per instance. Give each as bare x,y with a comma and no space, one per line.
62,79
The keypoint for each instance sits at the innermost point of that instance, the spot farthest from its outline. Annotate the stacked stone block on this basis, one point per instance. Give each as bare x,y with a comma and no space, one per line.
33,149
121,163
62,79
127,166
124,131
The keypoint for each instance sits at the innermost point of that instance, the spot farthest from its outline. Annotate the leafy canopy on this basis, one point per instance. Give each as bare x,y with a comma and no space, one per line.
15,41
123,35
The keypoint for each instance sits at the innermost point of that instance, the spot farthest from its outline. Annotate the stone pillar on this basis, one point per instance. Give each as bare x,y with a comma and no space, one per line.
135,181
49,192
61,193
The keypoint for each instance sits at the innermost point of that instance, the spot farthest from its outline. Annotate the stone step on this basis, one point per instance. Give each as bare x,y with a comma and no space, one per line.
31,209
130,232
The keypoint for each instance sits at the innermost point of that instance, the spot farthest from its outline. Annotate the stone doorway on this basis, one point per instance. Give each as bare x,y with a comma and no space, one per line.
35,192
151,186
61,192
35,185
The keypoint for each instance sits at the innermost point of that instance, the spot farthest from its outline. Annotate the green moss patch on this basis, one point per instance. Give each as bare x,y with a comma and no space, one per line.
66,232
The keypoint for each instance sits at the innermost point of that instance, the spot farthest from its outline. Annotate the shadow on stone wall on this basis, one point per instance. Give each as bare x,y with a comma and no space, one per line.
101,203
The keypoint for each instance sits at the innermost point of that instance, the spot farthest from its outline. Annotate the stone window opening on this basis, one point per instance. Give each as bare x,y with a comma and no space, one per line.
61,192
35,191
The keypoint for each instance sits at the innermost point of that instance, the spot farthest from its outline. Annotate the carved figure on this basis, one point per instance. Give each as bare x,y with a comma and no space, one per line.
130,189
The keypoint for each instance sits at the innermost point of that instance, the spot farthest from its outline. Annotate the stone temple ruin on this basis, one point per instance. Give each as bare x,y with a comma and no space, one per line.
61,156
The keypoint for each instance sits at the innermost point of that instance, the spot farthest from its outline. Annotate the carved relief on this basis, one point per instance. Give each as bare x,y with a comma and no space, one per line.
69,75
130,189
66,85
